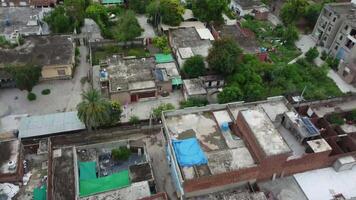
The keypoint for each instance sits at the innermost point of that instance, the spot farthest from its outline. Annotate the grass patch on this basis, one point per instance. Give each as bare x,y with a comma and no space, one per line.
46,92
31,96
121,153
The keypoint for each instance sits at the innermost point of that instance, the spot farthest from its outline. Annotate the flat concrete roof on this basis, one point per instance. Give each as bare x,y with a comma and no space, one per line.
9,153
342,8
40,125
171,69
40,50
194,87
142,85
126,73
326,182
268,137
319,145
189,37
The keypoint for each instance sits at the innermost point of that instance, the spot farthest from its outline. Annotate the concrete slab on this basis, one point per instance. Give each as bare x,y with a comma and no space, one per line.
341,84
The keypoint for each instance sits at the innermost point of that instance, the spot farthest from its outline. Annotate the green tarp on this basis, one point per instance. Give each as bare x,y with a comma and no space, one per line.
94,186
87,170
177,81
163,58
40,193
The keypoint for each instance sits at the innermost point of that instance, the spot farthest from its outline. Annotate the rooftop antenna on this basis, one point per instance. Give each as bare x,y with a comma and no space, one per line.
301,99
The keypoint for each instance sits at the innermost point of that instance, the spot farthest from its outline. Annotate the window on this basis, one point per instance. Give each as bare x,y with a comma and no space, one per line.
329,29
61,72
330,14
340,38
325,38
346,27
336,46
334,19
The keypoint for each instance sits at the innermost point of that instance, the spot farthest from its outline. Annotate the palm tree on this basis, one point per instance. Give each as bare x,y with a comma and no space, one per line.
94,110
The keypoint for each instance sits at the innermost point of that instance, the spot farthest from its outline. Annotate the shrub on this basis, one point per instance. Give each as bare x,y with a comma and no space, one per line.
83,80
46,92
351,116
324,55
31,96
157,112
194,67
336,119
134,120
194,102
333,63
311,54
121,153
77,52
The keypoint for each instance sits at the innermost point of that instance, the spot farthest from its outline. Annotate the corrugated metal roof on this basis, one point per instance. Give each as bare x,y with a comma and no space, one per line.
163,58
41,125
113,1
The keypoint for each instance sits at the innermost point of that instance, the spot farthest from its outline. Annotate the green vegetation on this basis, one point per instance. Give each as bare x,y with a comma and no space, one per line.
351,116
224,56
94,110
209,10
26,77
311,54
157,112
134,120
139,6
46,92
336,119
161,42
115,112
194,67
77,52
127,28
5,43
169,11
31,96
332,62
324,55
121,153
193,102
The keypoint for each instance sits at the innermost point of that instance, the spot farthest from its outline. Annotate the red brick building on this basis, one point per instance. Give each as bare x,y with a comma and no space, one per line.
264,140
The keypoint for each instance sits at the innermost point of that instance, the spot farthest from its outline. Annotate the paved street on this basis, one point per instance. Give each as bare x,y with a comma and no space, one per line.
65,94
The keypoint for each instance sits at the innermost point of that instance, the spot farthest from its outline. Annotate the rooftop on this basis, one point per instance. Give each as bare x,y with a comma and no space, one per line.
340,8
319,145
234,194
190,37
326,182
22,19
40,50
170,68
268,137
131,74
40,125
225,151
194,86
10,153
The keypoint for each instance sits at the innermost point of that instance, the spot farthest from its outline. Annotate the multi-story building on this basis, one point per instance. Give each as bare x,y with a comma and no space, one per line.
335,30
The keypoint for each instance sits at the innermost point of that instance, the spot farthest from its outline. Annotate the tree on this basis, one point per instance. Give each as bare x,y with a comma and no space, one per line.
194,102
209,10
225,56
59,22
312,13
292,10
290,34
157,112
139,6
76,10
127,27
94,110
169,11
26,77
161,42
230,93
311,54
115,112
97,12
194,67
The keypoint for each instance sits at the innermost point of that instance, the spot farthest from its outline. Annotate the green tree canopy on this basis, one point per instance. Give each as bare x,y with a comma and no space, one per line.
209,10
169,11
157,112
94,110
59,22
139,6
225,56
292,10
230,93
311,54
194,67
161,42
97,12
127,27
76,10
26,77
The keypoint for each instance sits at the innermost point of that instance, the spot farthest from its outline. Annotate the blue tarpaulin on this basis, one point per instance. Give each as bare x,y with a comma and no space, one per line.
189,153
